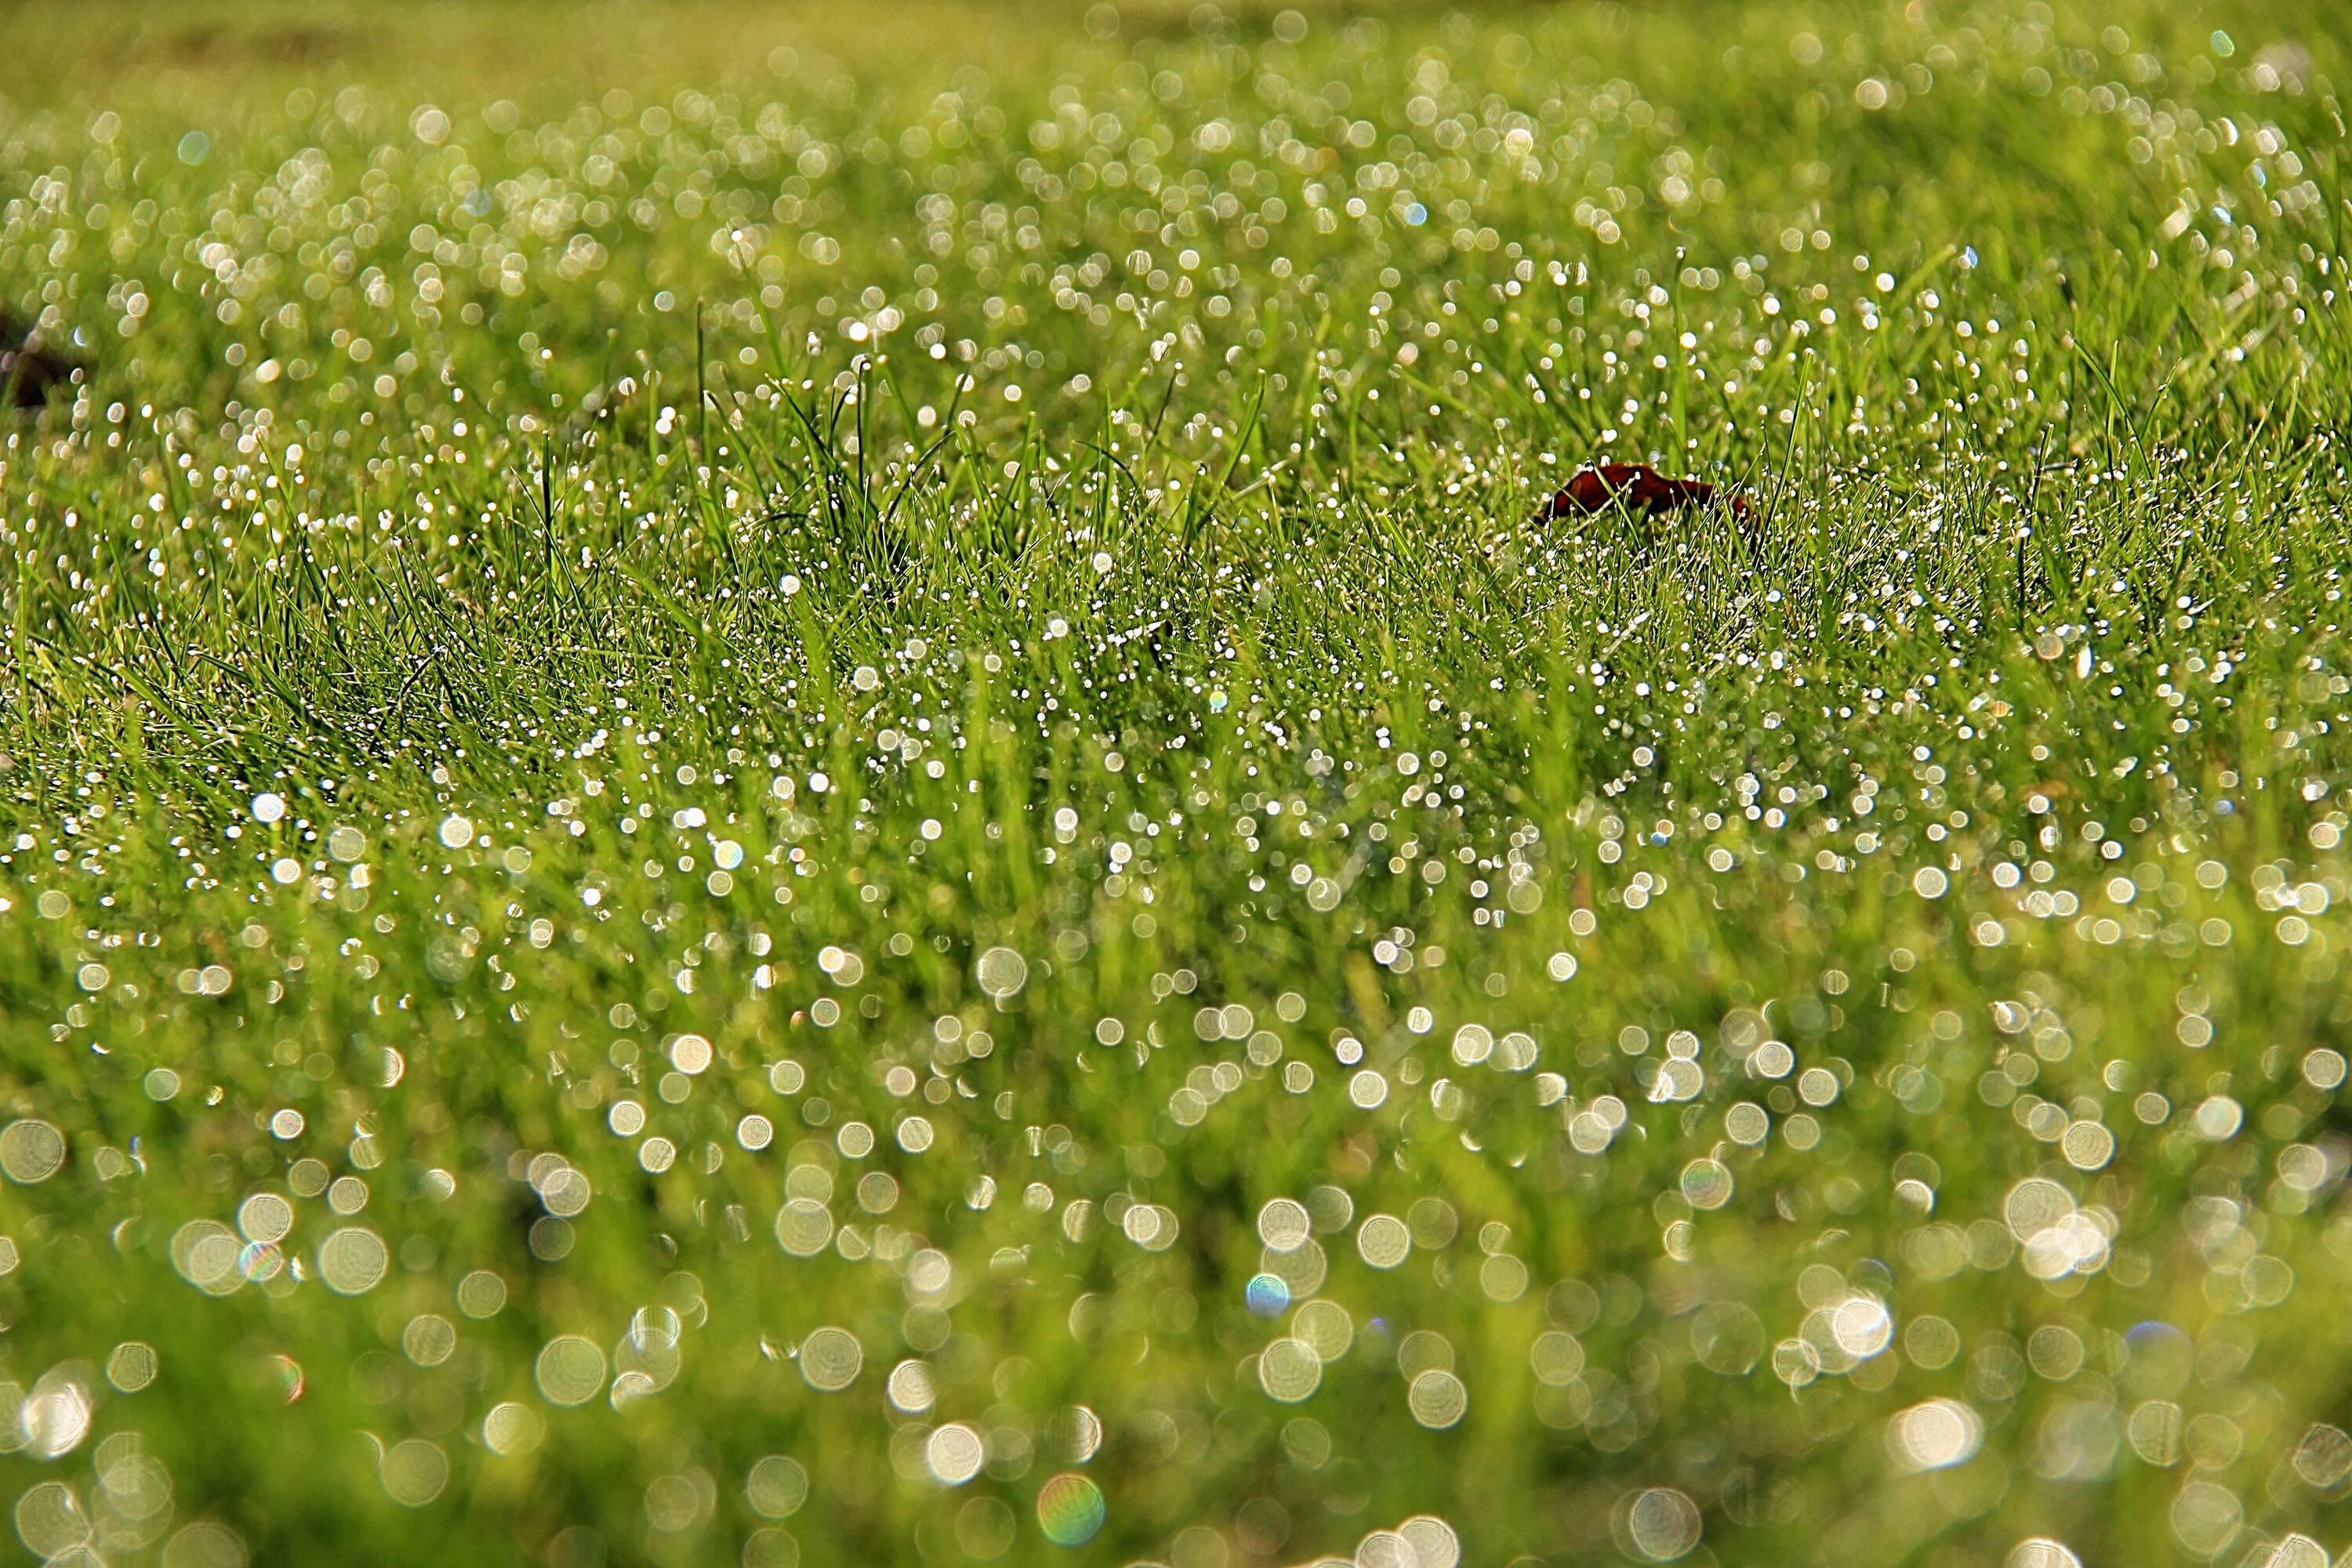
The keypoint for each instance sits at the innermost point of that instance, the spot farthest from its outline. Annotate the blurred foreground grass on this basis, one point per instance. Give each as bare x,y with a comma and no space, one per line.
794,785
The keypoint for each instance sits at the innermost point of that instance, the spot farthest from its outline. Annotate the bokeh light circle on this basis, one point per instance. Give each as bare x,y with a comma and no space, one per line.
31,1151
352,1260
413,1471
1659,1524
804,1226
1438,1399
1289,1371
50,1521
1556,1358
953,1454
1383,1241
2040,1552
570,1369
1727,1337
206,1545
1076,1433
510,1429
1933,1435
776,1487
831,1360
1070,1510
1283,1224
1435,1544
1324,1326
1266,1294
1001,972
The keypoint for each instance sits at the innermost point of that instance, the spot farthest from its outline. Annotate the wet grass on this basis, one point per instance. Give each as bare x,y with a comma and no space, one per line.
788,788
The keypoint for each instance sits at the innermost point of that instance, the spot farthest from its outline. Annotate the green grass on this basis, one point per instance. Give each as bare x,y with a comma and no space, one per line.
897,648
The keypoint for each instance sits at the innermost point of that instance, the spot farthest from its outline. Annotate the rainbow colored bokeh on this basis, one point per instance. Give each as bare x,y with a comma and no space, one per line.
1070,1510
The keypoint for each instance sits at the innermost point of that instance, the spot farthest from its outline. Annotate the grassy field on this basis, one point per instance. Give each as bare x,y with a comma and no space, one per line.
796,786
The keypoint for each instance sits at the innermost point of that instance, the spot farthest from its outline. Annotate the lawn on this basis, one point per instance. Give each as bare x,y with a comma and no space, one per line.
805,785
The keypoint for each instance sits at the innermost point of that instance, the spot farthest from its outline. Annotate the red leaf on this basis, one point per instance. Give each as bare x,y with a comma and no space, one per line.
1641,488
